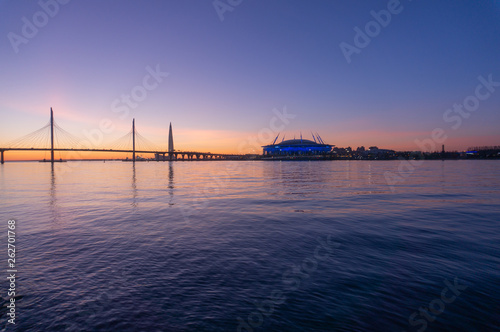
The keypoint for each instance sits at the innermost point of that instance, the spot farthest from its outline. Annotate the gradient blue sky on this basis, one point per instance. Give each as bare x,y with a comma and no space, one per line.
226,77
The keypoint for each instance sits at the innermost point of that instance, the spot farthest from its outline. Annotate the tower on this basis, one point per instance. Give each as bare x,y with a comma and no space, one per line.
170,140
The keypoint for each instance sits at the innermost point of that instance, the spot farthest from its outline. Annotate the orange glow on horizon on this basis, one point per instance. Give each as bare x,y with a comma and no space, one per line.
249,142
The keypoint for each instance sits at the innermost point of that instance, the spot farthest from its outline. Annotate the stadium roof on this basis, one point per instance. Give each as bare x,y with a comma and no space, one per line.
297,142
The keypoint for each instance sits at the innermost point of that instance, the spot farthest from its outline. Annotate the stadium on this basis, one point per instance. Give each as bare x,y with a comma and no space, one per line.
296,147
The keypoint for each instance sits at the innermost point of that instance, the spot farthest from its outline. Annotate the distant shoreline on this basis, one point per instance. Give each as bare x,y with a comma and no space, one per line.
257,159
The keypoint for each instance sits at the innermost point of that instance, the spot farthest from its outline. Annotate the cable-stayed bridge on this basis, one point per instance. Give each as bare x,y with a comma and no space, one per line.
52,137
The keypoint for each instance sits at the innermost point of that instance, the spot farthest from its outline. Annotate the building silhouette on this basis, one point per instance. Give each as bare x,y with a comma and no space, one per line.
170,139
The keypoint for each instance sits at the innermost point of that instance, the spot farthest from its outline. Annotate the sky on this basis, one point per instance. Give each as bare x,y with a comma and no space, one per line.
232,74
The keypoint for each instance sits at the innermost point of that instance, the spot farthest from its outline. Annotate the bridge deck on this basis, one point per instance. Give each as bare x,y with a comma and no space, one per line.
190,154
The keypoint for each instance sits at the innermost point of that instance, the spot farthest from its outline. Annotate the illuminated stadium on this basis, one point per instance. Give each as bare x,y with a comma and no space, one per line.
297,147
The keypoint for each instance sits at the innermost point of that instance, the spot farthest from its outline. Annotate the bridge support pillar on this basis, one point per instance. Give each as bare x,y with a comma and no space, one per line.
2,161
51,136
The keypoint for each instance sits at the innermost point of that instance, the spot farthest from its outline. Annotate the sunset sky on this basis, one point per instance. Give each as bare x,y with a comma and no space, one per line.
225,69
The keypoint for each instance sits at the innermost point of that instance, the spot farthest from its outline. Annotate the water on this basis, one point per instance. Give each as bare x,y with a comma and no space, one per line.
253,245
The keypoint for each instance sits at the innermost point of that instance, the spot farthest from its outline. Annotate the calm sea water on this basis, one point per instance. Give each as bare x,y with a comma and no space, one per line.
253,246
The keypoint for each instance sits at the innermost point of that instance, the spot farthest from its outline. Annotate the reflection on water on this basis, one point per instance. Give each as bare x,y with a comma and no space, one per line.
53,207
52,186
106,246
134,187
2,177
171,182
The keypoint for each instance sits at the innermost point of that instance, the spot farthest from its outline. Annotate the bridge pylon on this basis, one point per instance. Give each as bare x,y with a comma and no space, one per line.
133,140
51,136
